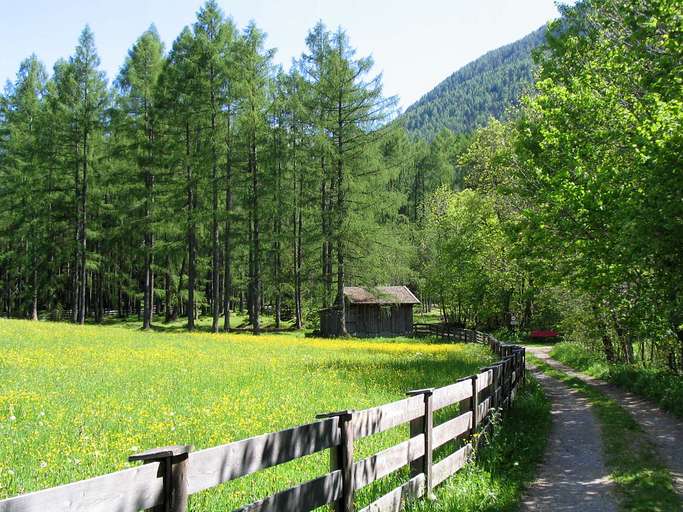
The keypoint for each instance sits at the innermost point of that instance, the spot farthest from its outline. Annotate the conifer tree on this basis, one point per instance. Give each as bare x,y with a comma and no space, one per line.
137,84
23,229
214,38
87,114
255,69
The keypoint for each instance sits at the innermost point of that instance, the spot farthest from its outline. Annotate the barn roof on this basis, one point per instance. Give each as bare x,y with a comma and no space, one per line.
380,295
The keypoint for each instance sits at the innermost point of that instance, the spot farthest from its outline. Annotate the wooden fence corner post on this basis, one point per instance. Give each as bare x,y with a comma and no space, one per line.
173,468
424,425
341,458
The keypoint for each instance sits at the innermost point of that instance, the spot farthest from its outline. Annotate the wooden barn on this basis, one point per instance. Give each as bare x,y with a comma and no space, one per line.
380,311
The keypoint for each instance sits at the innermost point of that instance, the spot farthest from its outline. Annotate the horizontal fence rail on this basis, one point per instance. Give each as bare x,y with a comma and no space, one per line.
450,333
169,475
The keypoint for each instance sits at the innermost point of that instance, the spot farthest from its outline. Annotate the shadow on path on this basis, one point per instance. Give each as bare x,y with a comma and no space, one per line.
573,476
664,430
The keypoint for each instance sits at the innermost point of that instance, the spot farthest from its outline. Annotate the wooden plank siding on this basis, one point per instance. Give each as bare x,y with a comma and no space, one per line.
143,487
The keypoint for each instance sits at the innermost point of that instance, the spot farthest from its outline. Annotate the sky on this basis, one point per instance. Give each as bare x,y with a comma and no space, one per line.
415,43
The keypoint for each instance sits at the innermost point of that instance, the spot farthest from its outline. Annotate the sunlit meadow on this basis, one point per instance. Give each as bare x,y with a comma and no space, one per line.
76,401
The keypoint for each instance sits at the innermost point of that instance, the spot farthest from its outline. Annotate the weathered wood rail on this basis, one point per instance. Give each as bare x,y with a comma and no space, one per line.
170,475
450,333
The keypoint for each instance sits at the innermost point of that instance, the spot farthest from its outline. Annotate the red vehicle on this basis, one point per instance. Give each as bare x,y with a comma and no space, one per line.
544,335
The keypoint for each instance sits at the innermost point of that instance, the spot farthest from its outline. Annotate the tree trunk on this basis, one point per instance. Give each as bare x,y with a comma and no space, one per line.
297,225
34,293
149,256
327,245
75,287
608,347
84,237
147,299
256,264
227,242
339,224
167,294
215,248
191,249
624,339
277,232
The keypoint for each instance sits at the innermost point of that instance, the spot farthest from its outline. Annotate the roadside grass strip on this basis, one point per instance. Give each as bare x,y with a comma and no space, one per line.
657,384
643,482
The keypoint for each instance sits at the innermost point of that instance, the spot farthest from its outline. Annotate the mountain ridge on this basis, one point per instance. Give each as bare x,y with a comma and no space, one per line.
482,88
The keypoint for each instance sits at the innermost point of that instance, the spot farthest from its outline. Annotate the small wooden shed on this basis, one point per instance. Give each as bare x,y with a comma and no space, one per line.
379,311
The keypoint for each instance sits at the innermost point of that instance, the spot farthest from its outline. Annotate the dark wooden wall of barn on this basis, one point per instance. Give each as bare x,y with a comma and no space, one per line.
370,320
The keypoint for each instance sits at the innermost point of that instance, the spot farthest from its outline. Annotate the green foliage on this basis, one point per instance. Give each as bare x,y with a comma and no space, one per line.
483,88
212,177
581,357
464,252
597,145
582,177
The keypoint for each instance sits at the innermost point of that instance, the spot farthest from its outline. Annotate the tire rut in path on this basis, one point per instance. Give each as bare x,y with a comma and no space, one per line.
662,429
573,476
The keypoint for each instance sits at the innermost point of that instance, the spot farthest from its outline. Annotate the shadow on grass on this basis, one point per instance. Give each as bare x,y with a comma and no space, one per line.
407,373
202,325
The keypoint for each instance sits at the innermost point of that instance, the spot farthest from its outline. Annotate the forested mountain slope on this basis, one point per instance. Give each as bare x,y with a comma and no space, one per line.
482,88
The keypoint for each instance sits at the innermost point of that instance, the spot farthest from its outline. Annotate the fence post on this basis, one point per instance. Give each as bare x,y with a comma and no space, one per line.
504,387
474,407
508,378
494,385
341,458
173,468
424,425
518,366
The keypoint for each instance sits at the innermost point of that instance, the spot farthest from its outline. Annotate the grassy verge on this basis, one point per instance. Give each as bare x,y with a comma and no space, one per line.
505,465
658,385
643,482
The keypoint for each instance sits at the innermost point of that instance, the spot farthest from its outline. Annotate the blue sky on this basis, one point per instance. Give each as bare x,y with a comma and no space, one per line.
415,43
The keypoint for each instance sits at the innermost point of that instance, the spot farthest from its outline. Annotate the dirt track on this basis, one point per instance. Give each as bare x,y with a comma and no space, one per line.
664,430
573,476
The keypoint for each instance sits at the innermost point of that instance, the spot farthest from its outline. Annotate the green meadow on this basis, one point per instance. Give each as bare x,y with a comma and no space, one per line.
76,401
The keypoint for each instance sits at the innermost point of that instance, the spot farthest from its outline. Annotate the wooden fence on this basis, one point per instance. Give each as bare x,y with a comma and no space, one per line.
450,333
170,475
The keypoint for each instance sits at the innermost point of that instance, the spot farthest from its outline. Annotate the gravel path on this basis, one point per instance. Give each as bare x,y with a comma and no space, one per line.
573,476
664,430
